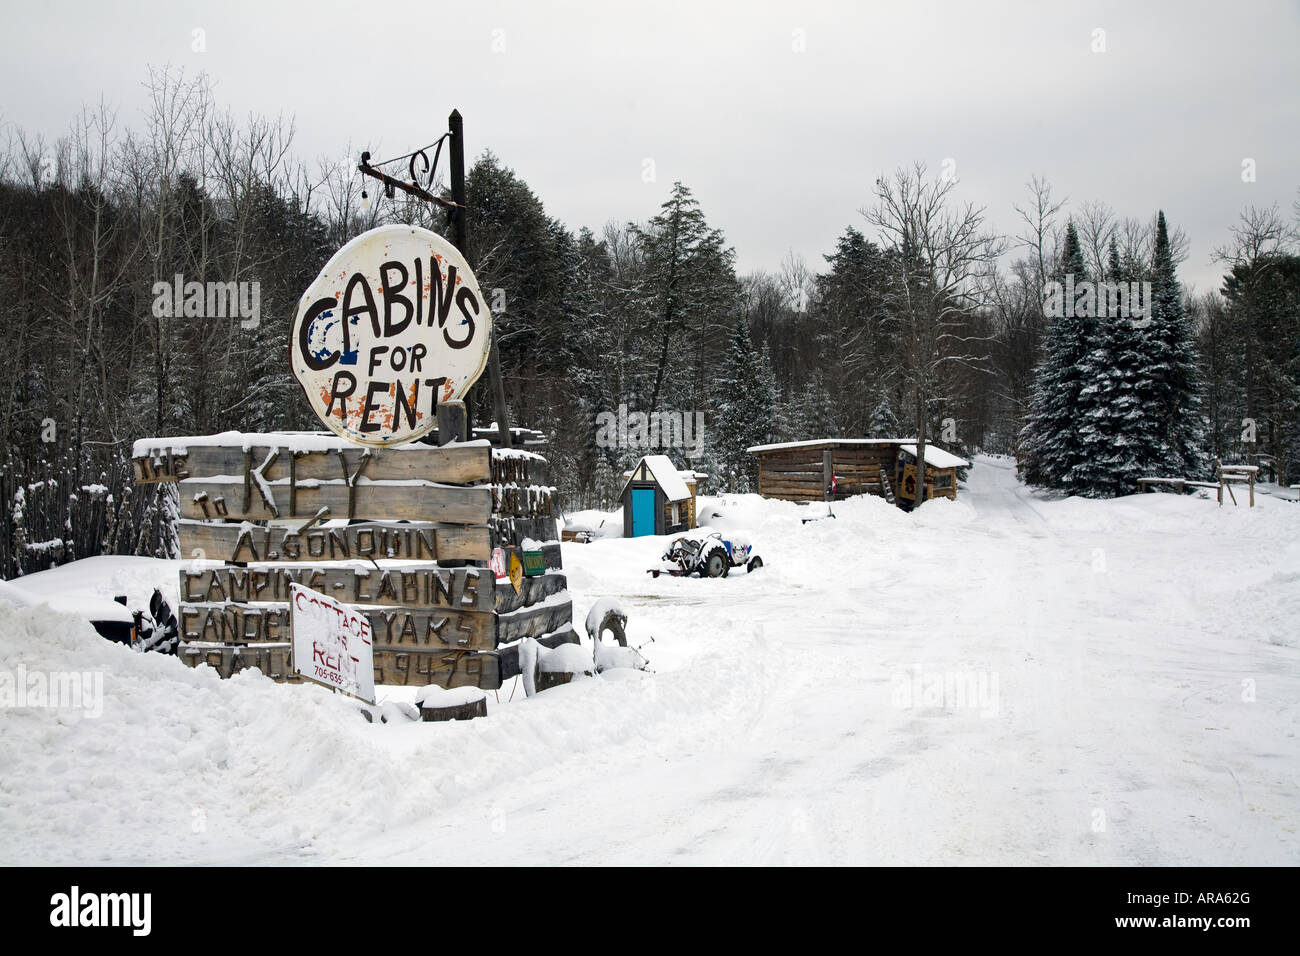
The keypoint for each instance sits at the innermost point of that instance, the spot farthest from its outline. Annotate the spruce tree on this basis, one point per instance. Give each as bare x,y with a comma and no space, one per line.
1174,389
1116,433
884,424
744,406
690,292
1052,446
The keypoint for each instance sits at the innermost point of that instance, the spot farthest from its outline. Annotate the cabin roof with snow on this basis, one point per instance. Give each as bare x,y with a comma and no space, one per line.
934,456
661,470
937,457
812,443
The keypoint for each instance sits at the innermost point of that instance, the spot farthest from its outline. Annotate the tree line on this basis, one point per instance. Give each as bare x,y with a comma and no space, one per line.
921,319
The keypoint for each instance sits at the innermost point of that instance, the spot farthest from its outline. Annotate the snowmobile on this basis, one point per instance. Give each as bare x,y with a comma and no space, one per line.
159,630
709,554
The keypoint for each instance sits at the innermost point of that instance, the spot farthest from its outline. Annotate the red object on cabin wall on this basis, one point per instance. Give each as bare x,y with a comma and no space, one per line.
832,482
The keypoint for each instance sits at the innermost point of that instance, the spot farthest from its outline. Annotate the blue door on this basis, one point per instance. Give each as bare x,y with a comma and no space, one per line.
643,511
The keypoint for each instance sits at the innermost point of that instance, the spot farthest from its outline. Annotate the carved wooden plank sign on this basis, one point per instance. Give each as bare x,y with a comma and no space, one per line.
372,540
236,498
331,643
272,457
390,335
440,629
401,667
550,615
532,591
404,667
394,324
273,660
465,589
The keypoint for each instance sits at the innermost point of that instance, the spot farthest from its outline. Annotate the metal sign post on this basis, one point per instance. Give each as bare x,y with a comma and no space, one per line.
460,230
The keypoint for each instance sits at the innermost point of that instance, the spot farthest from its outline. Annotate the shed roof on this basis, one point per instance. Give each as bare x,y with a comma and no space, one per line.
755,449
938,457
666,476
933,455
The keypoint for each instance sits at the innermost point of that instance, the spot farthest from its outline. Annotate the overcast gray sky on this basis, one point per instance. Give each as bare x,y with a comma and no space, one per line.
778,115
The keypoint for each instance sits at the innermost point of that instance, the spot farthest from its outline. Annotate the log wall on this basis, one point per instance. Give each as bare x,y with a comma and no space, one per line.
798,474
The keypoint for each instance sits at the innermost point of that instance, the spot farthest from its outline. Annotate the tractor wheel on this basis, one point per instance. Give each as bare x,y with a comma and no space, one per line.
754,564
716,564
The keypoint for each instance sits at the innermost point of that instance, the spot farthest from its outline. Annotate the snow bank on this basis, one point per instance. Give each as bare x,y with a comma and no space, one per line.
600,524
184,767
106,576
85,606
565,659
612,656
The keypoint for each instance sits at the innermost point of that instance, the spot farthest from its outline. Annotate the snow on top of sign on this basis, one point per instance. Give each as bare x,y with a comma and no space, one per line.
551,600
435,696
565,659
513,453
666,475
289,441
938,457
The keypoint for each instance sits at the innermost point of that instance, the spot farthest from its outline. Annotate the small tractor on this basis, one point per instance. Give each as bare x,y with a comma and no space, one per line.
709,554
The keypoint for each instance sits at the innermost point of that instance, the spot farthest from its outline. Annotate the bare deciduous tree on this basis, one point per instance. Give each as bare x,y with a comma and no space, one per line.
945,263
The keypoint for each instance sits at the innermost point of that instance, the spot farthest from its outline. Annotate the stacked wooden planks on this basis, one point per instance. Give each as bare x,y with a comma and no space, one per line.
266,507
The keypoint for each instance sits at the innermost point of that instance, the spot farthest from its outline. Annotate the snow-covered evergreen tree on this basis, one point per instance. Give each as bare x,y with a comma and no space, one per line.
807,414
1051,443
1118,397
744,406
884,424
1175,386
1116,432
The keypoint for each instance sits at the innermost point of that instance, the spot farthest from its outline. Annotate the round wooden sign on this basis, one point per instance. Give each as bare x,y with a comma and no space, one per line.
393,325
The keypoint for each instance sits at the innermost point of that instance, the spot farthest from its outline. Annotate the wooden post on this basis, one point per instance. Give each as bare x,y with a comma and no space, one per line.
1251,476
923,409
460,225
828,469
452,422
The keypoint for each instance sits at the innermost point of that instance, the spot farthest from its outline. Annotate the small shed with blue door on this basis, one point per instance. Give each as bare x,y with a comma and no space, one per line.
657,498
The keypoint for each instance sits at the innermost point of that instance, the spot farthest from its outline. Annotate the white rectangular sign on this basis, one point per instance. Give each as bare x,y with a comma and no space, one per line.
331,643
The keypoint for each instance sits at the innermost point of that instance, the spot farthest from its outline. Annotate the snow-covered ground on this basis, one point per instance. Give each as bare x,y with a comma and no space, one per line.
1004,679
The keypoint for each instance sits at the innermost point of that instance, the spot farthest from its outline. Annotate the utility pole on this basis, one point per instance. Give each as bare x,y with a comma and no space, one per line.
460,232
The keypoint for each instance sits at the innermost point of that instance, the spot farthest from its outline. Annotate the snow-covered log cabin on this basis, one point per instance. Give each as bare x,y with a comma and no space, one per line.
831,469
